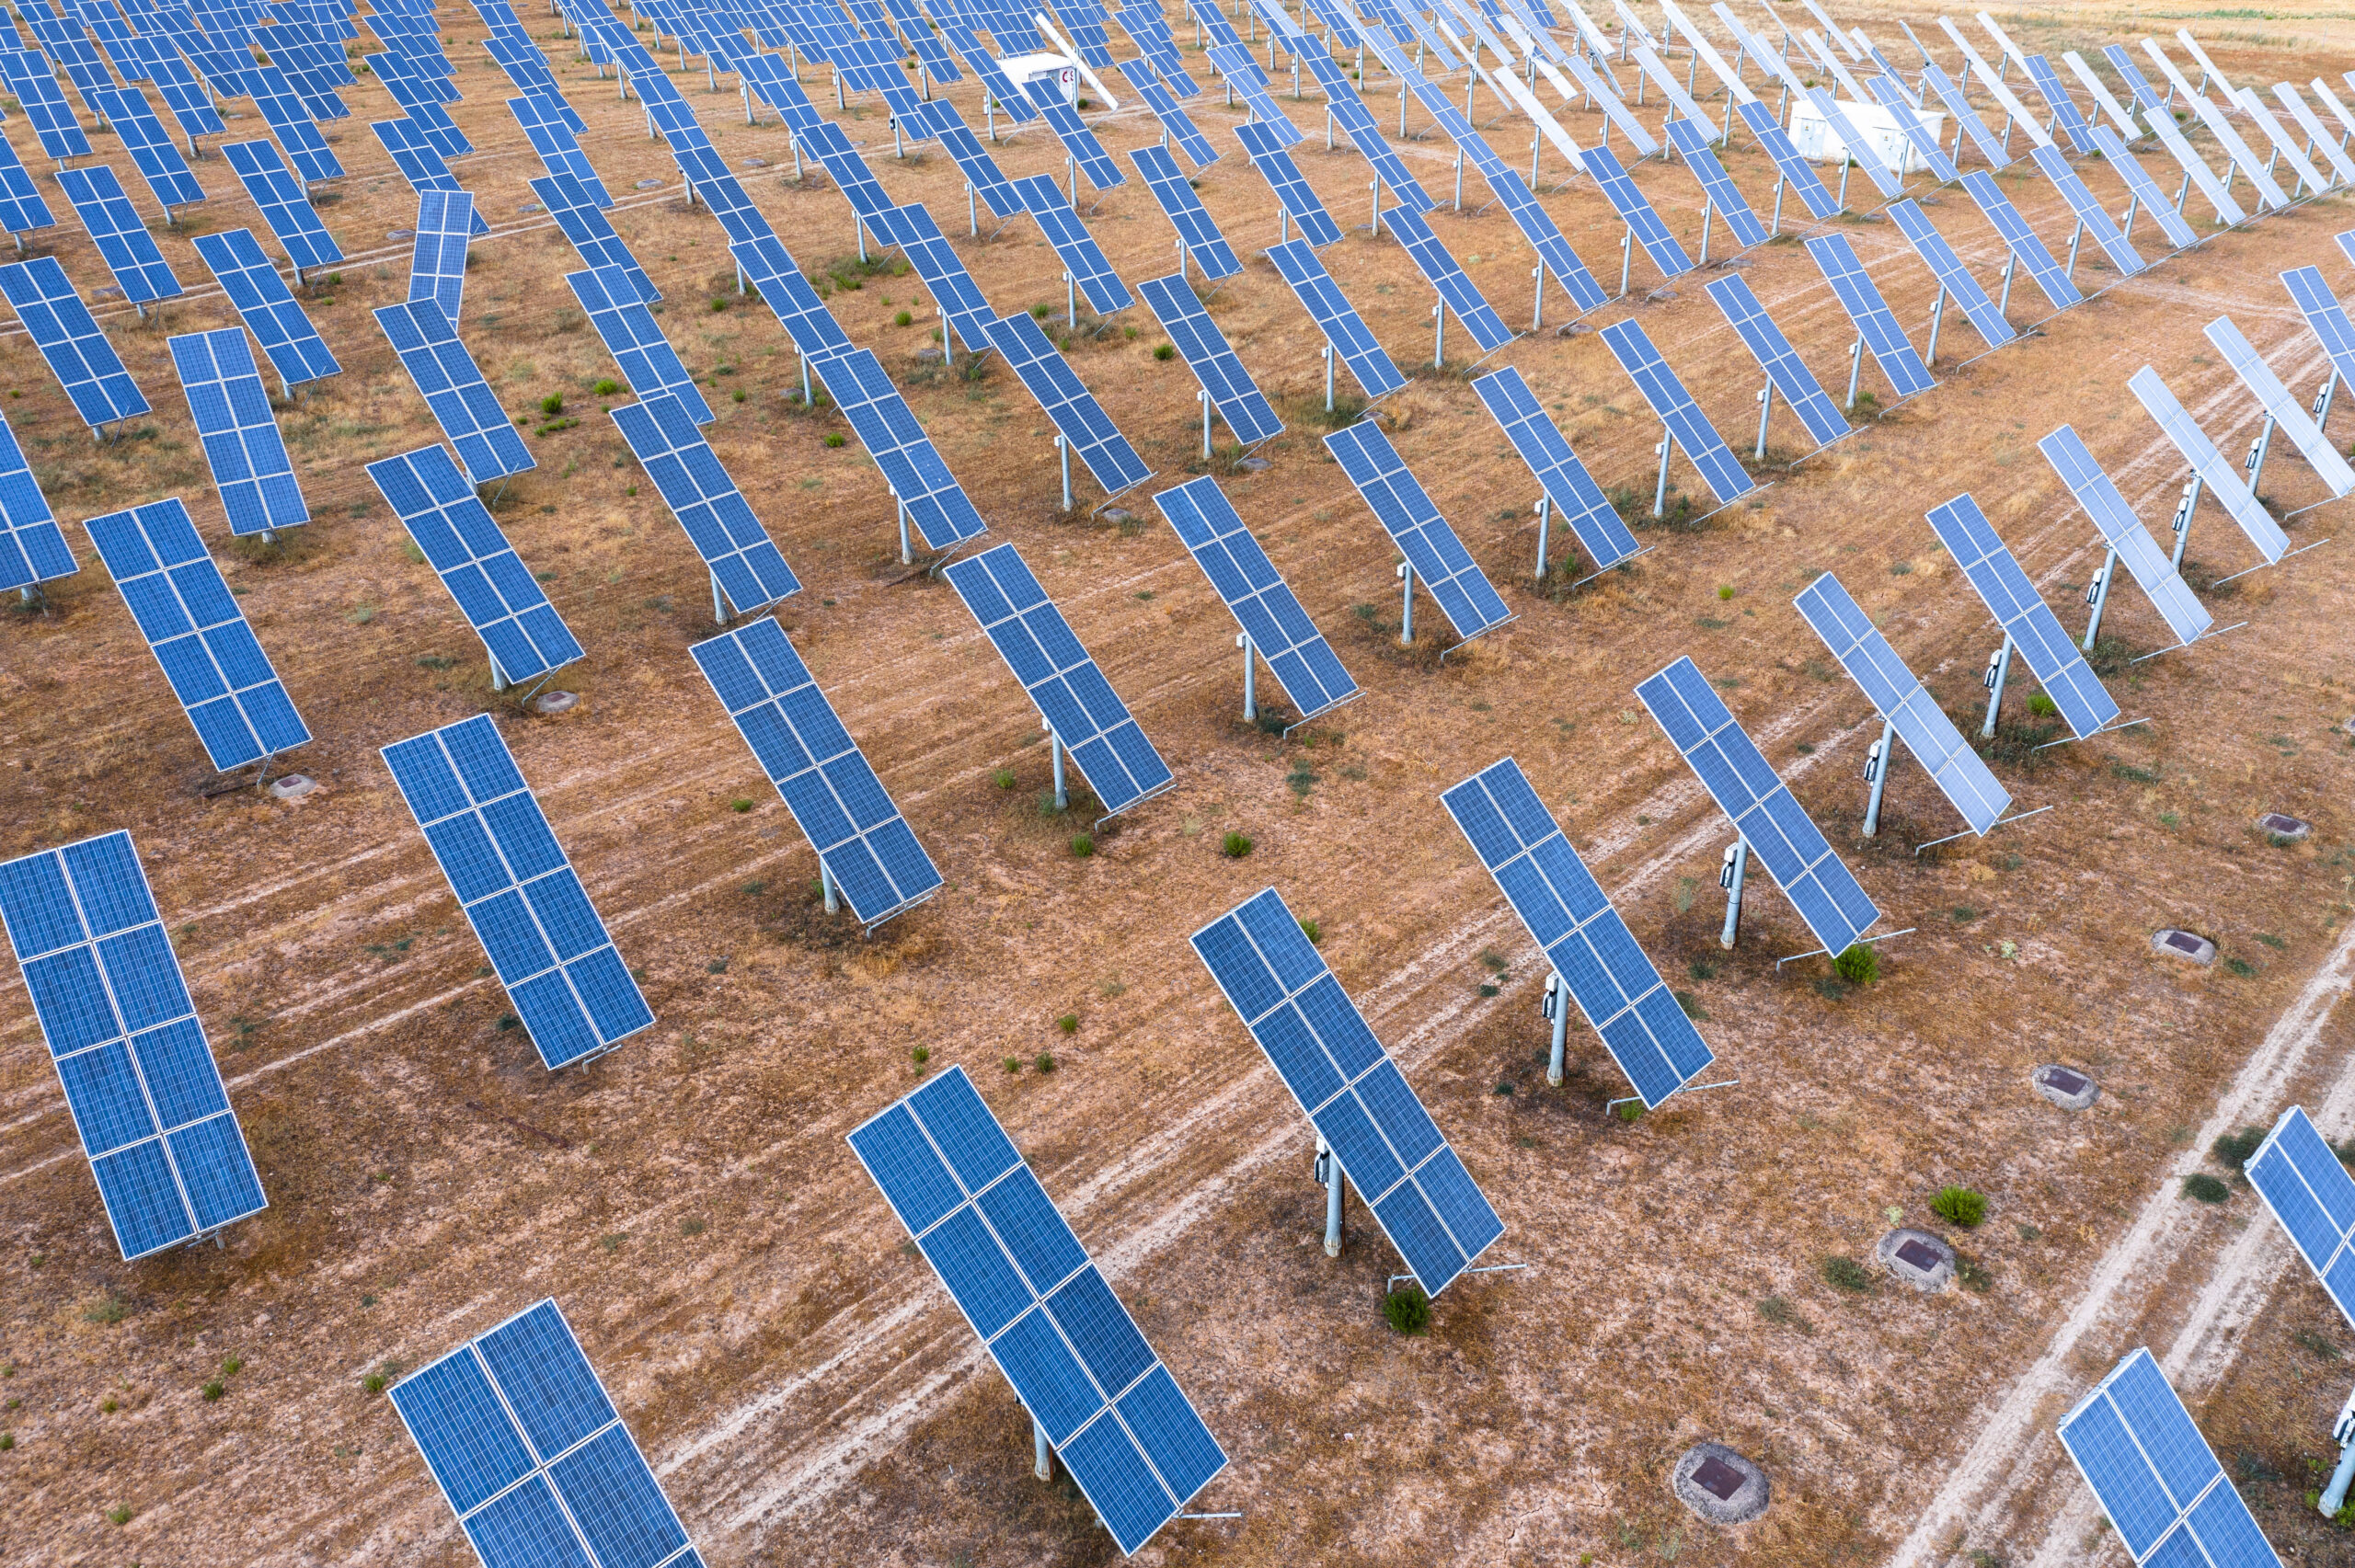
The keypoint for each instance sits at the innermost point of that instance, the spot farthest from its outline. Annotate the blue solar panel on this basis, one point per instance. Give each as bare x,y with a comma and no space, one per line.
1901,109
295,349
2029,250
519,892
2012,599
1900,698
1248,83
1577,498
555,142
1796,170
32,548
21,208
1086,427
648,364
770,268
454,390
1077,139
1045,201
1357,123
1352,342
984,65
2220,476
1716,184
1204,245
233,421
421,107
152,152
2146,189
79,354
2325,317
2071,121
527,68
2124,533
2089,211
1071,1351
1860,146
192,110
1947,267
2309,1191
154,1116
119,233
1062,679
284,206
1351,1090
1292,188
1636,211
575,212
437,268
210,656
827,143
972,159
1205,348
1263,603
1890,348
718,520
937,262
2156,1478
1175,122
469,553
918,475
2123,63
1633,348
417,161
1583,937
819,770
290,121
532,1458
1415,525
35,85
1762,809
1438,268
1777,358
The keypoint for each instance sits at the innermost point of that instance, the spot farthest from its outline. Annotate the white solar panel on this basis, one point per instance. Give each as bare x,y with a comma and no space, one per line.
1777,358
2081,203
2124,533
437,268
233,421
2065,113
1859,146
2204,179
648,364
1352,342
700,493
1947,267
1577,498
1706,450
1263,603
77,353
2148,197
2218,475
2310,178
1205,348
2034,630
2284,409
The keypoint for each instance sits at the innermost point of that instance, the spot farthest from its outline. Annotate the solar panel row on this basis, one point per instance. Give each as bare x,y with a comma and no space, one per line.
1263,603
2034,630
719,522
2123,532
1416,527
233,421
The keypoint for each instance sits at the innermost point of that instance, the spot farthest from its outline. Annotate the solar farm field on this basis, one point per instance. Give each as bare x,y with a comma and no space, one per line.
800,1386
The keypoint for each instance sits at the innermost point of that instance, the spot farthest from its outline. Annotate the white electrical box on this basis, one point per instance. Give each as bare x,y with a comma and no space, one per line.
1818,143
1026,69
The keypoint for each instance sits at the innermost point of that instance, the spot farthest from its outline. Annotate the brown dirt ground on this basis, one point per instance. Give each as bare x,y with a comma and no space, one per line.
802,1383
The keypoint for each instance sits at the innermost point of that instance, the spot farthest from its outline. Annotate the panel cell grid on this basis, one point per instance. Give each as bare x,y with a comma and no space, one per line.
2123,532
919,476
973,160
910,227
520,894
1577,498
770,269
1901,109
577,213
2012,599
1262,602
2033,257
2284,409
1439,269
1074,1356
453,389
1416,526
209,653
1352,1091
32,547
1947,267
825,780
437,268
1761,808
718,520
1248,82
2089,211
80,355
270,310
467,550
648,364
152,152
28,76
1779,358
154,1116
1890,348
1583,937
21,208
1632,347
1206,352
1077,139
120,235
2309,1192
1352,340
1635,210
2325,317
289,118
2156,1478
1205,247
1086,427
2145,188
417,161
554,141
1060,677
284,206
1044,201
1797,172
233,421
2220,476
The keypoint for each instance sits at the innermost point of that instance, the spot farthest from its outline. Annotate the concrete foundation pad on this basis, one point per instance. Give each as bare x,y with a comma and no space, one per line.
2183,944
1918,1258
2284,827
292,786
1718,1484
554,703
2066,1087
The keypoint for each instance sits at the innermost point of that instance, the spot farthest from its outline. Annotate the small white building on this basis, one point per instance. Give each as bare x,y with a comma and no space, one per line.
1059,69
1818,143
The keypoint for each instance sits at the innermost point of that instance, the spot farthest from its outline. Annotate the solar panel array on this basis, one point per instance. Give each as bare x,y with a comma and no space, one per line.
2218,475
120,235
1635,210
1078,703
2023,241
1072,1352
2089,211
1796,171
152,152
2284,410
437,269
2169,595
648,364
1578,499
1405,510
1777,358
2325,317
1077,139
29,77
1263,603
1204,245
1292,188
889,429
270,312
1175,122
1441,270
453,389
147,1099
1901,698
1632,347
289,118
2155,1476
532,1456
1087,429
284,206
1044,201
519,892
719,522
209,653
2148,196
1947,267
233,421
575,212
825,780
32,547
1693,146
1351,1088
2309,1192
419,163
77,353
1892,351
1352,342
1770,821
2012,599
910,227
1205,348
1562,906
468,551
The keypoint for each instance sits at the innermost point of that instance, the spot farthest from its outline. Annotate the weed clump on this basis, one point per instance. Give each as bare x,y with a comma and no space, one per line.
1082,844
1235,846
1959,1206
2205,1188
1407,1310
1858,964
2233,1150
1843,1273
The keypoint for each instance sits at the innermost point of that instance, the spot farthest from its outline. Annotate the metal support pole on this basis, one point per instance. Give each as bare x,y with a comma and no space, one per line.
1376,188
719,602
2322,403
1877,763
1203,396
1062,795
973,212
1730,871
2076,236
1846,164
2334,1497
1406,609
1250,678
1765,407
1999,669
907,557
806,394
1439,335
1042,1454
826,883
1328,1171
1937,317
1544,531
1556,1006
1063,452
1660,491
2258,450
1329,378
1708,211
1459,179
1779,182
2003,299
1537,305
2097,595
2183,520
1071,301
2133,206
1855,367
498,677
1626,259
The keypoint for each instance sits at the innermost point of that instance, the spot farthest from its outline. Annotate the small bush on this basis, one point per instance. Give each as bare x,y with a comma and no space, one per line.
1974,1274
718,305
922,1055
1859,965
1003,778
1843,1272
739,804
1235,846
108,1308
1012,1064
607,388
903,319
1068,1023
7,1441
1959,1206
1166,351
232,1366
1725,590
2233,1150
833,437
2042,706
1310,929
215,1389
1407,1309
2206,1188
2242,967
1044,1062
1039,313
1082,844
1631,1110
553,403
690,1226
119,1516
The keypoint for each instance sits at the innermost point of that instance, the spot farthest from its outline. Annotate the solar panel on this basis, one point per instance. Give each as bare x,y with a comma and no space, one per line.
1901,700
418,162
32,547
1441,271
771,271
199,636
1126,1432
242,445
1175,122
826,142
1761,808
1245,79
2065,112
2318,139
30,79
152,152
1716,184
1204,245
1349,112
2311,1194
2012,599
984,65
1077,139
2155,1475
527,68
2124,533
453,389
78,353
119,233
2279,407
1636,211
437,268
2022,239
2326,318
918,475
2227,210
1044,201
1292,188
21,208
2219,475
1674,406
1944,264
295,349
1353,1093
183,94
2088,211
154,1116
467,550
910,227
1263,603
1769,133
284,206
1352,342
648,364
290,123
2268,193
841,806
2146,189
1576,497
2310,178
972,159
1583,938
768,75
421,107
2123,63
719,522
1205,348
558,149
1416,527
1892,351
519,892
531,1455
575,212
1779,358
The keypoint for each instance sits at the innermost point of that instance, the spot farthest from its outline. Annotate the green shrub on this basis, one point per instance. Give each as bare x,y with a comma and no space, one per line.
2233,1150
1013,1064
1843,1273
833,437
1314,932
1725,590
922,1055
7,1441
119,1516
1044,1062
1631,1110
1235,846
1859,965
1082,844
739,804
232,1366
214,1390
1039,313
1003,778
718,305
1068,1023
1408,1310
108,1308
1166,351
1959,1206
552,404
903,319
607,387
2041,706
2206,1188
